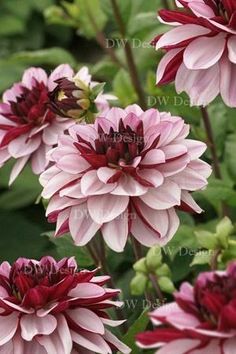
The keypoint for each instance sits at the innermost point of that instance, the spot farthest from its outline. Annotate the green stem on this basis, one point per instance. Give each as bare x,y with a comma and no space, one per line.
212,146
129,56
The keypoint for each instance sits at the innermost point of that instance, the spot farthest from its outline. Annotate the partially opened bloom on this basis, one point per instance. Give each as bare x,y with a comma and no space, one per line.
201,50
126,173
202,320
28,127
49,307
76,95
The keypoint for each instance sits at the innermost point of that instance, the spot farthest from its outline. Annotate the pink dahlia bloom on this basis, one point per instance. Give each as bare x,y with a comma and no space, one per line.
201,50
126,173
28,128
202,320
49,307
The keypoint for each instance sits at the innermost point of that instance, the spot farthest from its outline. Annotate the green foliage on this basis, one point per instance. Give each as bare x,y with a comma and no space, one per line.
137,327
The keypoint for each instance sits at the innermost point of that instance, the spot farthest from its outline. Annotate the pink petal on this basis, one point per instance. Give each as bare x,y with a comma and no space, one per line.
5,269
60,341
232,49
32,325
73,191
73,163
117,343
163,197
39,161
82,226
91,185
57,203
21,146
200,9
48,174
56,183
152,176
63,70
166,59
87,320
128,186
174,150
134,108
228,82
189,179
149,118
7,348
8,327
213,347
32,74
17,168
87,291
201,85
229,346
106,173
183,345
204,52
62,218
195,148
85,131
115,232
91,341
106,207
180,34
153,157
12,93
188,199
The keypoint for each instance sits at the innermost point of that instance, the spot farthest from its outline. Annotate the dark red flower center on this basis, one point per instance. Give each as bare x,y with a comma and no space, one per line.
115,148
30,276
31,106
214,296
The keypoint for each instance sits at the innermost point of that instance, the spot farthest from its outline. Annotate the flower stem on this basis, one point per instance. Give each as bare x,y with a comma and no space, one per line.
165,4
212,146
102,41
214,259
211,142
129,56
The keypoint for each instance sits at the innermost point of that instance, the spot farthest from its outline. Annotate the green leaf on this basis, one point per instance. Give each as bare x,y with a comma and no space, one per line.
90,11
207,239
137,327
66,248
24,190
11,25
184,238
202,257
218,191
123,88
52,56
142,21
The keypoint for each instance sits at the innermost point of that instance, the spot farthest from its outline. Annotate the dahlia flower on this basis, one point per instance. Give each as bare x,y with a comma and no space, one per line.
28,128
126,173
77,95
202,320
201,50
49,307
